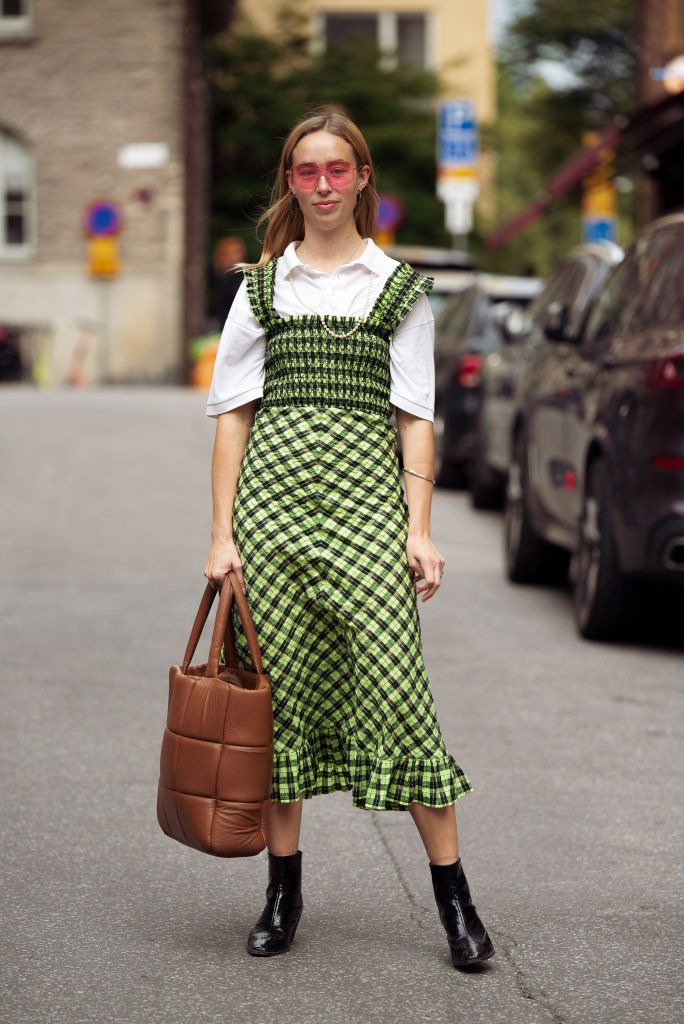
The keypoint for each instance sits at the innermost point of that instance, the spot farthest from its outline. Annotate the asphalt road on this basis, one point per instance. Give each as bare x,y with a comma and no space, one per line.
571,839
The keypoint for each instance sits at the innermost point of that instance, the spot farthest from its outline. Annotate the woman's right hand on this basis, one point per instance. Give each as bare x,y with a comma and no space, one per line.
223,557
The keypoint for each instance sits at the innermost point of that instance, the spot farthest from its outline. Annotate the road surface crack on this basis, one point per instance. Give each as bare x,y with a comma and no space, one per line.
506,945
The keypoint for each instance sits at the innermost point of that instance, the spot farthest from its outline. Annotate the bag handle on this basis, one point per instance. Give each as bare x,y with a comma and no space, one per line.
230,590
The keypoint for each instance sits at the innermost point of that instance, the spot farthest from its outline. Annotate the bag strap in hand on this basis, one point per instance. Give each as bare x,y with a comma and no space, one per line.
230,590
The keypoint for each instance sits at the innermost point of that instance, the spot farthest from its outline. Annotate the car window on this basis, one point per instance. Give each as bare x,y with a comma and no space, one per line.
438,301
490,335
660,268
547,294
611,307
455,318
481,313
563,285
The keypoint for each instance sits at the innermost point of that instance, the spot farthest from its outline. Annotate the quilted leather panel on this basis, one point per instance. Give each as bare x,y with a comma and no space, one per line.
237,830
189,818
244,773
248,722
218,827
197,706
189,765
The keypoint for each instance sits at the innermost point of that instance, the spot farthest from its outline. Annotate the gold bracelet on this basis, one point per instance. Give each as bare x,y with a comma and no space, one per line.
421,475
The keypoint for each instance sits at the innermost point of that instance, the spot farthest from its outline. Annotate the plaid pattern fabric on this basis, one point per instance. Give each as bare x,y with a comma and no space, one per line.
304,365
320,523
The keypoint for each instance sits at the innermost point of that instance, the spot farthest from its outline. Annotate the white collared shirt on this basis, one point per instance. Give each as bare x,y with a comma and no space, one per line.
239,368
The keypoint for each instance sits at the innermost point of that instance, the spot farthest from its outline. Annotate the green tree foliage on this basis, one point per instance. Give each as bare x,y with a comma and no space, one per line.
595,43
261,85
542,118
592,46
519,180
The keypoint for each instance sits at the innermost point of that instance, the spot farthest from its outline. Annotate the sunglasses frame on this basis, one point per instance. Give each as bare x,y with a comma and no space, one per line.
321,173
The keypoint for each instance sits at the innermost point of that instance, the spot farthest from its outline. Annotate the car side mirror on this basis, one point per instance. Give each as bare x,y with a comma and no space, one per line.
513,323
555,322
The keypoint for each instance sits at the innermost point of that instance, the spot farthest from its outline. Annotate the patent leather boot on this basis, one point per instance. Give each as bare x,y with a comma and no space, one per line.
468,939
276,927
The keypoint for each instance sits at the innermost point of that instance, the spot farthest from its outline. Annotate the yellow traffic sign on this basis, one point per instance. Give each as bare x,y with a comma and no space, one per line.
103,256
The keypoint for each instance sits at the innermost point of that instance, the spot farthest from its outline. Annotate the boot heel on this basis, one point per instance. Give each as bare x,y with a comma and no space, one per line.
469,943
276,927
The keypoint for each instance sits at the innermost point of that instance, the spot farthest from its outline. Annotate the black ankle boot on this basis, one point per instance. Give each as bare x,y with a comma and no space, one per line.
468,939
275,929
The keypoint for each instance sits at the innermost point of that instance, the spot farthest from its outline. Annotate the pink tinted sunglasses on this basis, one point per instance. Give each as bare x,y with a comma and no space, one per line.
338,173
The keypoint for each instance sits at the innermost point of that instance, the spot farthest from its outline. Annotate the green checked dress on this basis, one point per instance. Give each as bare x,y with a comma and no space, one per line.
320,523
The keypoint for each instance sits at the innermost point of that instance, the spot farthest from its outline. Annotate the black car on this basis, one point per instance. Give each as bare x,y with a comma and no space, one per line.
597,464
559,310
11,368
467,330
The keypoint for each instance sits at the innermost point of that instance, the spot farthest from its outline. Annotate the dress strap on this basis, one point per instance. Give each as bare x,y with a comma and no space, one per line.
260,282
398,296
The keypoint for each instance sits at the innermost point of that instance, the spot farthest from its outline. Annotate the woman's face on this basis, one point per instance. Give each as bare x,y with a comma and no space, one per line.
325,179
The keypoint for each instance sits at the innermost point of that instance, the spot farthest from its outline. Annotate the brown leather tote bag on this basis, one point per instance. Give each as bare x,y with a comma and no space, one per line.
217,752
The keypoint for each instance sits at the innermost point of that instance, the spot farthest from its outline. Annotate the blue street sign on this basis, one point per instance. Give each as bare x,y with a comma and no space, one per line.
390,211
103,217
599,229
457,143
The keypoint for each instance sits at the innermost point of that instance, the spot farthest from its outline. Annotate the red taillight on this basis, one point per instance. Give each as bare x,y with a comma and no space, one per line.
668,372
469,373
668,462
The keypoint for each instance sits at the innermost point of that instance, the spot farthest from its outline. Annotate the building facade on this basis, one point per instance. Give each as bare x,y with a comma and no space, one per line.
103,101
451,37
656,129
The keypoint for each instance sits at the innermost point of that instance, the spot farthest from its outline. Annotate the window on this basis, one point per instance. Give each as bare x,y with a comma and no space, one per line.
612,306
563,286
15,16
411,39
661,280
16,197
351,30
404,36
454,320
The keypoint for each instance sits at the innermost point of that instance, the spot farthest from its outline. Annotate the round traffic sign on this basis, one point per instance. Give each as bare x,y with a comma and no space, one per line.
390,211
103,217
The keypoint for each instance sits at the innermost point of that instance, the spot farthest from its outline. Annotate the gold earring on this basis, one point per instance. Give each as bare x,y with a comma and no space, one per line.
294,205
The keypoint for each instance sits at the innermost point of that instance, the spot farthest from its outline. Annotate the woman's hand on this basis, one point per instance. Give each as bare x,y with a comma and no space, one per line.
427,564
223,557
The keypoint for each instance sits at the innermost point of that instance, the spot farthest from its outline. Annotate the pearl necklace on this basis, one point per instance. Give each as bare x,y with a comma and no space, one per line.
344,334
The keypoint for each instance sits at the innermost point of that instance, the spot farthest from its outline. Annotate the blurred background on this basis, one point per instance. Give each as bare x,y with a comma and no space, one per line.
138,148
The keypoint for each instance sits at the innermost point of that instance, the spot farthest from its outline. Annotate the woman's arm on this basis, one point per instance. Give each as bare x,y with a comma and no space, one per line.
418,452
232,432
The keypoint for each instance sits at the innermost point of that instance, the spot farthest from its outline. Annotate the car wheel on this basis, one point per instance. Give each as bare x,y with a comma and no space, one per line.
604,600
529,558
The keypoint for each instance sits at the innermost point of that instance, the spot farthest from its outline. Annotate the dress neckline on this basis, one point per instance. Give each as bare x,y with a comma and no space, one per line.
336,317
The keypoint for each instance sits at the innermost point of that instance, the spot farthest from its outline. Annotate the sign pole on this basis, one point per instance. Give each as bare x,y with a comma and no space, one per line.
457,158
102,224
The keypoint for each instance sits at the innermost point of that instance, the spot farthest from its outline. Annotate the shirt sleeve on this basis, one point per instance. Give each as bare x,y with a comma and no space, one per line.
238,375
412,361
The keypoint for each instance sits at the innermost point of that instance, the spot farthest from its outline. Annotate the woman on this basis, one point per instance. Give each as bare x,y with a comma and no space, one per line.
325,335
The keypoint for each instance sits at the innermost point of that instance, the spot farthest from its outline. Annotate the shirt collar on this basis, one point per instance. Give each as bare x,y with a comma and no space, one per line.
371,257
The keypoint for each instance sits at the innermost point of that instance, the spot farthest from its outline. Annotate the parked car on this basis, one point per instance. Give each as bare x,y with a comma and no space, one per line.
467,330
597,465
11,368
560,308
451,269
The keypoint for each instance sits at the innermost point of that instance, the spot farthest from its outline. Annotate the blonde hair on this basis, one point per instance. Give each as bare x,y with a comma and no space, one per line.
286,224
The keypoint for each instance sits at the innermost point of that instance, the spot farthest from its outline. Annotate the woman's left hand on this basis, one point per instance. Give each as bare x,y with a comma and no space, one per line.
427,564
